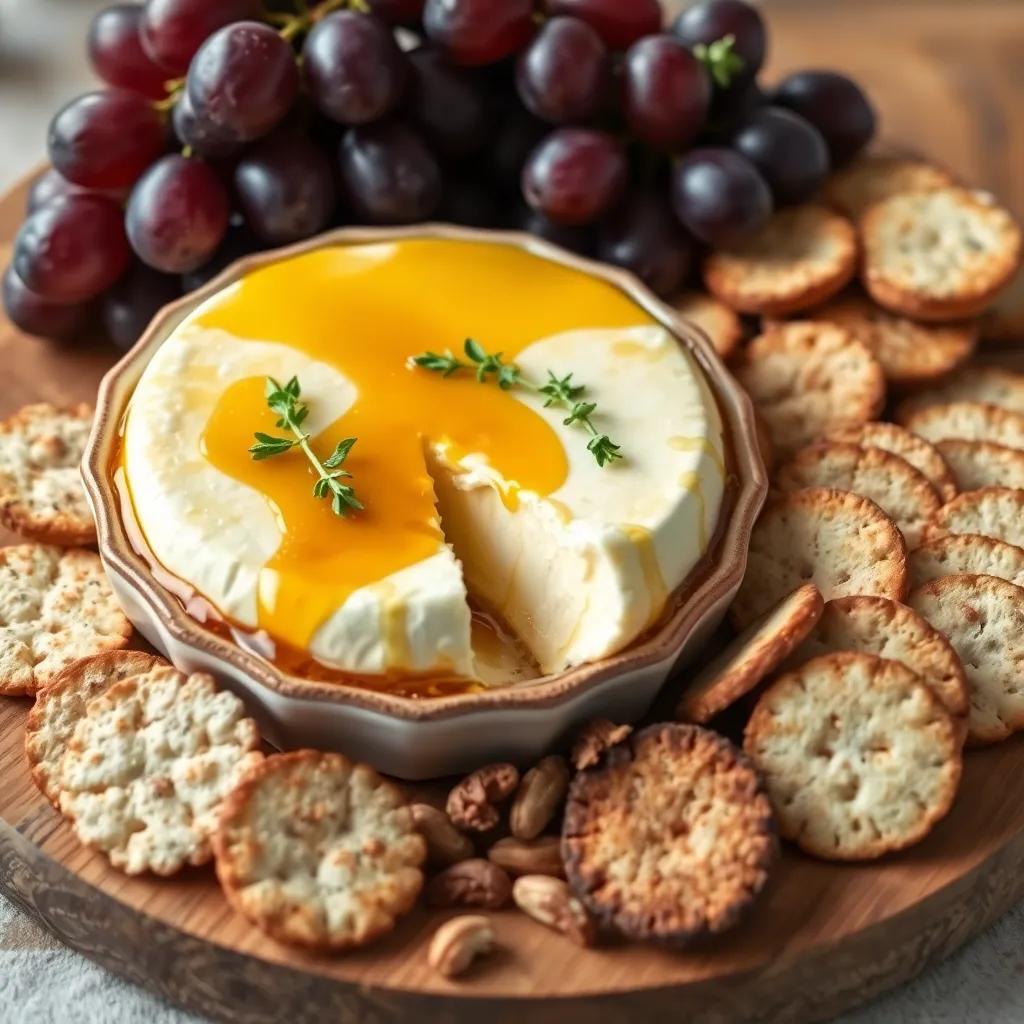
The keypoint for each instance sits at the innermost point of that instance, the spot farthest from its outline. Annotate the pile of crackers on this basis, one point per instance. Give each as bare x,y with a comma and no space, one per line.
882,615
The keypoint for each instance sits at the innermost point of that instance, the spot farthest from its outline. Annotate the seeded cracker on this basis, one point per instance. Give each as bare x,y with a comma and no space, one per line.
923,456
148,765
977,464
841,542
939,255
858,756
318,851
966,553
56,606
41,494
672,837
802,256
61,705
755,653
871,178
983,619
808,379
996,512
899,490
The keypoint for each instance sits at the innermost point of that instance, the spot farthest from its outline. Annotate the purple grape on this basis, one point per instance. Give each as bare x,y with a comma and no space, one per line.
788,151
475,32
643,236
131,304
719,196
243,80
447,105
35,315
620,23
202,137
72,249
353,68
575,175
173,30
835,105
388,173
285,188
519,134
238,242
563,75
666,92
117,55
105,140
728,35
177,214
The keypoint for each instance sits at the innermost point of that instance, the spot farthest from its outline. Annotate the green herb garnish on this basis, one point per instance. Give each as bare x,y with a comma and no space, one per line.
557,391
722,62
285,402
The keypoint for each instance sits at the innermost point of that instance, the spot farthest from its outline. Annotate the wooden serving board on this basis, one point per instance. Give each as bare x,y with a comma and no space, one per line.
822,937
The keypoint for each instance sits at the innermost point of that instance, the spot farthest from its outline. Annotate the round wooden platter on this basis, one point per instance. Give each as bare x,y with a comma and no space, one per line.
822,938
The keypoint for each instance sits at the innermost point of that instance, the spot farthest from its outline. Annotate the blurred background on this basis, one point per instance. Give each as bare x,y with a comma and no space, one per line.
946,75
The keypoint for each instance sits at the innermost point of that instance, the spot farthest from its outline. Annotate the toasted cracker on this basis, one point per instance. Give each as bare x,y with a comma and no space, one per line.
148,765
966,421
996,512
993,385
858,755
60,706
41,493
892,483
983,619
799,258
966,554
318,851
977,464
873,177
939,255
910,353
923,456
808,379
887,629
1003,322
720,323
671,837
843,543
756,652
56,606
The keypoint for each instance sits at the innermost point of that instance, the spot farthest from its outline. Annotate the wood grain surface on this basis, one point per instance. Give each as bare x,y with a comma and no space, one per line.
947,80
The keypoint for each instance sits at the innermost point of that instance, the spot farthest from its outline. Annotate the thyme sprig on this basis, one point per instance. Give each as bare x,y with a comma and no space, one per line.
557,391
284,400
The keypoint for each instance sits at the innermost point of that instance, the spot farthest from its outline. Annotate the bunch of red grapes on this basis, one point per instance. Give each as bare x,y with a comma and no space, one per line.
241,125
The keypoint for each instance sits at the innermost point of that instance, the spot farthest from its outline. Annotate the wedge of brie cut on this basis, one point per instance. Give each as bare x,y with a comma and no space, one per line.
472,494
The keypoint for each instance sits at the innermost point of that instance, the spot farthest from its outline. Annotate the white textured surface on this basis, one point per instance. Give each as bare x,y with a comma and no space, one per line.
41,982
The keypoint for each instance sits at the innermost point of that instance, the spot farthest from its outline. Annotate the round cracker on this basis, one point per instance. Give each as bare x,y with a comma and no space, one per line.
799,258
910,353
892,483
809,379
56,607
756,652
318,851
996,512
721,324
41,493
966,554
858,756
938,255
671,837
923,456
983,619
887,629
60,706
976,464
843,543
1003,322
966,421
993,385
872,178
148,765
